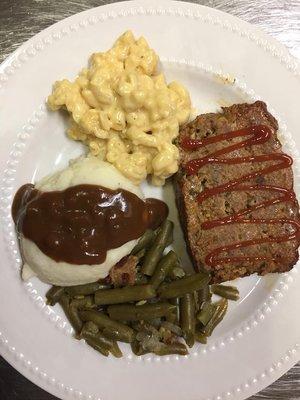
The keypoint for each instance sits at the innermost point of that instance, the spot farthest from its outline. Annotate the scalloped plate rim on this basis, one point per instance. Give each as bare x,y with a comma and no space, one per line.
13,56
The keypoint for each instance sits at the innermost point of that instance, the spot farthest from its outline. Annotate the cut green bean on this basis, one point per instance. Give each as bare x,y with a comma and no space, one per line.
200,337
98,347
168,349
144,242
74,306
141,279
204,294
91,327
206,313
172,327
187,318
115,350
160,349
86,333
84,290
124,295
100,340
171,317
113,334
84,302
128,312
176,272
71,313
163,268
54,294
228,292
122,331
170,237
74,317
140,254
145,327
183,286
155,252
176,302
220,311
137,348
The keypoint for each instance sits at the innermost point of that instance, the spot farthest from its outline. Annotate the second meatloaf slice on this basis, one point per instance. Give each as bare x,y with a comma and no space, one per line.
271,256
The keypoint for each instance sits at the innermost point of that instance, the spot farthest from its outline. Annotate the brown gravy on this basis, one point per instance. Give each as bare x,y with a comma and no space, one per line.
80,224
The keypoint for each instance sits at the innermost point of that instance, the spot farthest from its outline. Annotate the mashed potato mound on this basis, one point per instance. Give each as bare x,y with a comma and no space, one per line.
91,171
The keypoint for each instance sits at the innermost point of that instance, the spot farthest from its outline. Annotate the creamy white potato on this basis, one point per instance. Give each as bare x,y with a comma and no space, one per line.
91,171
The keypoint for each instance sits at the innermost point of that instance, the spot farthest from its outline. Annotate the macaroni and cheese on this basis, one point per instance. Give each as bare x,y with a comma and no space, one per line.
124,110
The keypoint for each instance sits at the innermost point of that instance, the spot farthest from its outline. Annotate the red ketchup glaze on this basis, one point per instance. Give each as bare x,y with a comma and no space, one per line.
258,134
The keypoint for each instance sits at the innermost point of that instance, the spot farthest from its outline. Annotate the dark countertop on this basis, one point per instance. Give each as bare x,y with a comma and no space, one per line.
21,19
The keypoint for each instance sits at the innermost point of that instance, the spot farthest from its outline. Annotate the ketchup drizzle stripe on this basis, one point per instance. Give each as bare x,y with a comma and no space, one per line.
258,134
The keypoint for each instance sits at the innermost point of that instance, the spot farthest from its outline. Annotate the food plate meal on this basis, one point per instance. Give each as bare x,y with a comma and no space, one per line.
166,219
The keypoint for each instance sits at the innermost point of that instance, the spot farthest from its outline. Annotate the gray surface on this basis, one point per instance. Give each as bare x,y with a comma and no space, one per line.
21,19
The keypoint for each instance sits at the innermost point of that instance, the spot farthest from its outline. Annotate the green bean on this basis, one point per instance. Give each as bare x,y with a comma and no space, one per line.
137,348
204,294
115,350
220,311
172,328
89,334
140,254
74,317
141,279
124,295
161,349
91,327
84,302
175,348
155,252
200,337
128,312
84,290
146,327
122,331
54,294
171,317
144,242
183,286
176,273
71,313
207,311
113,334
170,238
64,301
187,318
228,292
74,306
176,312
98,347
162,269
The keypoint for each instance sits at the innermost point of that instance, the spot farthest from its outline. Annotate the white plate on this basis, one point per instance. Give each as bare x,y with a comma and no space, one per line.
205,49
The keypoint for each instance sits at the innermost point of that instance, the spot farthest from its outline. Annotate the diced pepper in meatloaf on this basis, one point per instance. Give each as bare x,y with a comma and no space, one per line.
274,256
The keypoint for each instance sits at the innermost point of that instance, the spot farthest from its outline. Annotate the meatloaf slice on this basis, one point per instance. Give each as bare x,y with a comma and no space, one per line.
274,256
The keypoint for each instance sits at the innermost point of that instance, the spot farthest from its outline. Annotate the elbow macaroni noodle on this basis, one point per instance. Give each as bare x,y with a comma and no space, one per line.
124,111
